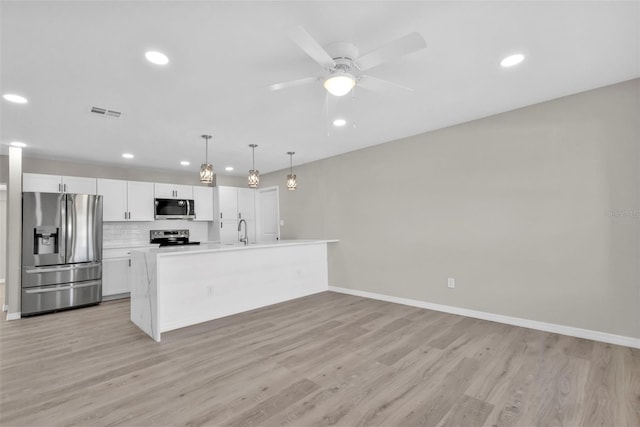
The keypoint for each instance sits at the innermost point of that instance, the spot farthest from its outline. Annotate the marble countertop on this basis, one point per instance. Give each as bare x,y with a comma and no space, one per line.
129,245
217,247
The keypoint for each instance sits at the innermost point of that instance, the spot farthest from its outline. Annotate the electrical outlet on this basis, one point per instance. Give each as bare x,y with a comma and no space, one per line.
209,291
451,282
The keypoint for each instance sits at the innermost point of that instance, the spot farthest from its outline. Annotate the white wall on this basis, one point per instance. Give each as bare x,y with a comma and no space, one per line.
3,232
534,212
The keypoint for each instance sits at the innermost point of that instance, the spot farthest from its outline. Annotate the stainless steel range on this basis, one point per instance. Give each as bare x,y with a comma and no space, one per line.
61,251
170,237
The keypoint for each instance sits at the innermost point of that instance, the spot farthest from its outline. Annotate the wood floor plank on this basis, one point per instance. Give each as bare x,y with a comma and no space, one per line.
326,359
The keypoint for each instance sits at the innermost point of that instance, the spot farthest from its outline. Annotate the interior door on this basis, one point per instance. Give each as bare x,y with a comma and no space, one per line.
268,210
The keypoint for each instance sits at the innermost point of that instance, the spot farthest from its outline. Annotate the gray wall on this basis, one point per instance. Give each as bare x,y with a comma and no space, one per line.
534,212
60,167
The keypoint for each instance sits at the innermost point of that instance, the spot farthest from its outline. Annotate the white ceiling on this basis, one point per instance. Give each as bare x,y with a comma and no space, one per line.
68,56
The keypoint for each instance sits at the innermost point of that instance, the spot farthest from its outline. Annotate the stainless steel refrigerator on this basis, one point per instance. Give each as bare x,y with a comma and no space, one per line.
61,251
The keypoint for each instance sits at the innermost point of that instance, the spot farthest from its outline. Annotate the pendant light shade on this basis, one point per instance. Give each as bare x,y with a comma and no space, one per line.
206,169
254,176
291,178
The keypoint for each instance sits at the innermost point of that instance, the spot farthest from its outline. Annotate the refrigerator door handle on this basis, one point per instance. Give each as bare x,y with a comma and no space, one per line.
63,288
65,268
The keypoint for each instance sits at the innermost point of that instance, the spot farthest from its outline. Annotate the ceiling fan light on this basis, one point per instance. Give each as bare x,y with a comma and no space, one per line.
340,85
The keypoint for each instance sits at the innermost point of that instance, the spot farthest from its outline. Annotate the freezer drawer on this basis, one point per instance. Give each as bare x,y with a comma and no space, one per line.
54,274
43,299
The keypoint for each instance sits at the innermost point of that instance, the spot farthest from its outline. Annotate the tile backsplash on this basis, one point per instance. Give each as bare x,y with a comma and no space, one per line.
134,233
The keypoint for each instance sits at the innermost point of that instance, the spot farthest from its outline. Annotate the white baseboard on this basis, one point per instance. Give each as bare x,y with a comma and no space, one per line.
14,316
516,321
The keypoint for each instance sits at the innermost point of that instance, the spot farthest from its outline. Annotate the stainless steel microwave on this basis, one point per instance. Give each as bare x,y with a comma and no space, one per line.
175,209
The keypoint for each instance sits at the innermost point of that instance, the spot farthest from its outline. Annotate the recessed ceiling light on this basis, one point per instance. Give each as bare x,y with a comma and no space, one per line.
17,144
229,168
157,58
12,97
127,156
512,60
185,163
339,122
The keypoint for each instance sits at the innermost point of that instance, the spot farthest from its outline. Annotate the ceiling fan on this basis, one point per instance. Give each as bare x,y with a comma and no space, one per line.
343,62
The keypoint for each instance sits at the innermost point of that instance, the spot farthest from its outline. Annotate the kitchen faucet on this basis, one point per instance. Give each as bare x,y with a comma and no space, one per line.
244,239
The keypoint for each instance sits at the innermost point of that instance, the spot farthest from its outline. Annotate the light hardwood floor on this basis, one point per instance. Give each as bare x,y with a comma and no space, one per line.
327,359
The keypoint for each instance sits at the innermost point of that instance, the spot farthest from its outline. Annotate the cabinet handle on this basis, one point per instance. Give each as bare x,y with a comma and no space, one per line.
129,262
220,215
65,187
125,215
129,214
220,225
59,188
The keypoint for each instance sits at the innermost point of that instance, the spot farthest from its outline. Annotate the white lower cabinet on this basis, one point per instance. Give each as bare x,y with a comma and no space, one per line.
115,277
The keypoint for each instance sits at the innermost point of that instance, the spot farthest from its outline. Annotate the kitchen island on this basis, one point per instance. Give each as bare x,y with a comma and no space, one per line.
174,287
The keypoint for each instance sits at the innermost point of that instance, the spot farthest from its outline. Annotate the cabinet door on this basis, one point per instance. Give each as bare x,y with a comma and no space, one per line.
140,201
114,199
115,276
36,182
246,204
78,185
203,198
228,232
173,191
227,203
183,191
164,191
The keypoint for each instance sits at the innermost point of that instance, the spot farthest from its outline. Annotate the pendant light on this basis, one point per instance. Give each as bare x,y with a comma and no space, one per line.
254,175
291,178
206,169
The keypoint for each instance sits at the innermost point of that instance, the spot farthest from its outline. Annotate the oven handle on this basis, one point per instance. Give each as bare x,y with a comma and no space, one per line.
56,269
63,288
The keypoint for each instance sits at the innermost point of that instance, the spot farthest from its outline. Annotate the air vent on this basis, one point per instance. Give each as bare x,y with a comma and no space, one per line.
105,112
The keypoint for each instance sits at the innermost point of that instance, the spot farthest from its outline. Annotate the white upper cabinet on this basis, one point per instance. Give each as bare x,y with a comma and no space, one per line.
126,200
140,201
36,182
173,191
203,199
78,185
114,199
246,204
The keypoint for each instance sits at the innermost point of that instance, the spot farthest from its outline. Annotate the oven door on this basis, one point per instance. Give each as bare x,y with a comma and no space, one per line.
174,209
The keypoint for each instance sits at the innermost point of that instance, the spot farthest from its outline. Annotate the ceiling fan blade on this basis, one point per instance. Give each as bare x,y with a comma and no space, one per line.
311,47
292,83
395,49
379,85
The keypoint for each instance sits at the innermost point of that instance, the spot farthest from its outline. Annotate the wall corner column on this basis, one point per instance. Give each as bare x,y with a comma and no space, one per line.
13,285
